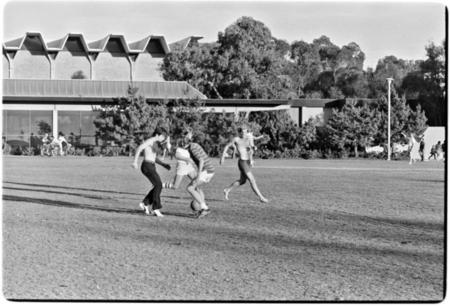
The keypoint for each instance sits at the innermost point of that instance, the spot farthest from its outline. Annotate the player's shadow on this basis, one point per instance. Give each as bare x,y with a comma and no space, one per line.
85,206
89,189
88,196
70,188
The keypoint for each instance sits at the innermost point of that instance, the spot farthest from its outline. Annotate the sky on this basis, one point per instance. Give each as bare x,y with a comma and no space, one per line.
380,28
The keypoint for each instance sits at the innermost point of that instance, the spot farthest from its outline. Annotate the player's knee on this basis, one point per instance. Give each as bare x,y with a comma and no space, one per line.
252,180
158,187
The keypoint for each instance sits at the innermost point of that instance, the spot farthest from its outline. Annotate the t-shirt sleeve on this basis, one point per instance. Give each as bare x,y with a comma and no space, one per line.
196,151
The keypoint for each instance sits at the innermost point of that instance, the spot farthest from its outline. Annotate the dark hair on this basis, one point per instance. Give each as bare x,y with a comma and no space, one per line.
158,147
159,131
239,130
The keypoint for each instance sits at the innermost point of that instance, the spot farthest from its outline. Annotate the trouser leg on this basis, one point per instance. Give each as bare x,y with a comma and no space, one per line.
154,195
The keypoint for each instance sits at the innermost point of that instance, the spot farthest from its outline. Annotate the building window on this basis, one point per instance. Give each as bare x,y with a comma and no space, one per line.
78,127
88,128
41,122
23,130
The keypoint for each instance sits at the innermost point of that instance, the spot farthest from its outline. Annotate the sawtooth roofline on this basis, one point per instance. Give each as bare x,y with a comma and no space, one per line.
95,46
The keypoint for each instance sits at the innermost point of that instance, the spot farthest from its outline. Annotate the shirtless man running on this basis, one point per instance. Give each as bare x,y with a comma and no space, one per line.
148,168
243,147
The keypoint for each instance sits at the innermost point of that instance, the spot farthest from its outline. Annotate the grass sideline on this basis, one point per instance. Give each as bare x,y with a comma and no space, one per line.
352,230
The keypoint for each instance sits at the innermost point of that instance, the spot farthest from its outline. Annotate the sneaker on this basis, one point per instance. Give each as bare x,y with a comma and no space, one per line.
145,208
226,191
157,213
203,213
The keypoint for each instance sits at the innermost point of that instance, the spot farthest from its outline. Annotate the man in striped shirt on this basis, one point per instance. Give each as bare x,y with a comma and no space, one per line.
205,172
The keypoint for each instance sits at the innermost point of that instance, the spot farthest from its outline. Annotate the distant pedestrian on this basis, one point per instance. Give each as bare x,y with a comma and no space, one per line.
439,152
432,152
422,149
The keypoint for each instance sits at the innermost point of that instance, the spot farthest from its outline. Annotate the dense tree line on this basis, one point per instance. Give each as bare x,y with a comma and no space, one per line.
247,62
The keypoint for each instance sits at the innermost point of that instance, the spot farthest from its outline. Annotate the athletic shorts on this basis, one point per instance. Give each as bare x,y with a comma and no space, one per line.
244,166
184,168
205,176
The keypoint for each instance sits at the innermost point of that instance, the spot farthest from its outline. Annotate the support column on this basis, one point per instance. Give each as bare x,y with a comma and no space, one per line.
50,61
130,61
10,59
300,116
55,122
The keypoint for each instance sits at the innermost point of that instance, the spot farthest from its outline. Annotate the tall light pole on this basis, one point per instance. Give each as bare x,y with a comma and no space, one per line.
389,118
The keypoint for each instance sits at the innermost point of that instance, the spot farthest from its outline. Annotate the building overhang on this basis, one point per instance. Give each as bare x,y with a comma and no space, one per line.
293,103
16,90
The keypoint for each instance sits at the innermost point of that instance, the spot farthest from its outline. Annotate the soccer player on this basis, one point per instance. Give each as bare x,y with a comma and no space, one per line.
205,172
243,147
148,168
184,168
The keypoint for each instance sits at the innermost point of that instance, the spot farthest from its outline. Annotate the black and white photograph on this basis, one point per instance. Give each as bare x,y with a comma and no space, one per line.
224,151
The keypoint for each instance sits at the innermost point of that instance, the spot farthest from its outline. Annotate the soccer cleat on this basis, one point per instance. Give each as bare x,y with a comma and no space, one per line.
264,200
226,191
203,212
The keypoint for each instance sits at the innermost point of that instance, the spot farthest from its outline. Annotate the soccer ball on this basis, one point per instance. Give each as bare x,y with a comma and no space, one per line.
195,206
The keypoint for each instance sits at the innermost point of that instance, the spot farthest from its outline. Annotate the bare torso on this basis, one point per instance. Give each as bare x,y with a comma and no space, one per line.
149,153
242,146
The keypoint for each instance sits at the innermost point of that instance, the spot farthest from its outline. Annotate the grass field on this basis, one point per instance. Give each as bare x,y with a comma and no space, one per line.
363,230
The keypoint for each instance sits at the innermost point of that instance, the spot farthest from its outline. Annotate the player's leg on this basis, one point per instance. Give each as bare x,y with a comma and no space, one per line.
156,193
195,190
201,193
204,178
192,190
241,181
254,186
154,196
